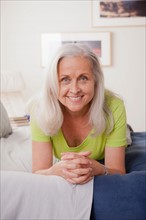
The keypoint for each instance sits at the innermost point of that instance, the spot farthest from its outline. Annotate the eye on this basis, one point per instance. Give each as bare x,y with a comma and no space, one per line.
84,78
65,80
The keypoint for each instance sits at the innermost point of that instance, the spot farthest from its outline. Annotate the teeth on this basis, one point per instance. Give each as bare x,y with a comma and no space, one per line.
75,98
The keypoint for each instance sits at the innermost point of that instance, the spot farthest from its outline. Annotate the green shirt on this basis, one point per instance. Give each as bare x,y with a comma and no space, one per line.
95,144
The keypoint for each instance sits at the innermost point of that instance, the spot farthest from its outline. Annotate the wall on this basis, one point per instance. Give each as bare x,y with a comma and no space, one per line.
22,23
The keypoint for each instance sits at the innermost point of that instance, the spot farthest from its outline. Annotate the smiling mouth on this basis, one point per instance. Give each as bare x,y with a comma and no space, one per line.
75,98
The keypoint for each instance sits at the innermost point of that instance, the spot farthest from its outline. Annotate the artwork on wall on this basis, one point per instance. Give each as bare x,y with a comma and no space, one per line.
118,13
100,42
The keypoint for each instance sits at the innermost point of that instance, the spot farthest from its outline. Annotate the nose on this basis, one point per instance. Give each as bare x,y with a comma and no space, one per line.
74,87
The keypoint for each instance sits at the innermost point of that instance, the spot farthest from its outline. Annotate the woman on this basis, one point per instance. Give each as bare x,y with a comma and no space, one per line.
77,120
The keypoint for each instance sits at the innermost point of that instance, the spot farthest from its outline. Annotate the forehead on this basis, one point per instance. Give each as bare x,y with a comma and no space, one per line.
76,62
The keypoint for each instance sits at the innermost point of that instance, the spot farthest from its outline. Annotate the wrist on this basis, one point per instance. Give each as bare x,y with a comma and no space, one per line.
105,170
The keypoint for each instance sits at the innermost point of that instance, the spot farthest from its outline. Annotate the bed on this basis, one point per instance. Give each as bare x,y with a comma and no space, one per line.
26,196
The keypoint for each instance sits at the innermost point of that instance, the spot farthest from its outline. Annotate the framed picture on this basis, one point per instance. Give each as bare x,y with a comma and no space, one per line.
118,13
100,42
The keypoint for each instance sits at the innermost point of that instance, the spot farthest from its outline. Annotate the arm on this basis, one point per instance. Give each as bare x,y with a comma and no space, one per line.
114,162
42,157
42,152
115,159
42,160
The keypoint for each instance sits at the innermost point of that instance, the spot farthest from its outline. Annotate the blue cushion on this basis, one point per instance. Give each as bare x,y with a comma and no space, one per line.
136,152
119,197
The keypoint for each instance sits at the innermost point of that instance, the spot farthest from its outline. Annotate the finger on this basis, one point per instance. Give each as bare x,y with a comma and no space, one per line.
82,171
69,156
72,155
80,180
69,174
85,153
76,163
71,181
86,181
81,161
63,153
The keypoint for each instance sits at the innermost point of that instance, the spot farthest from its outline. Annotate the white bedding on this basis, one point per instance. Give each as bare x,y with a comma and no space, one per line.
27,196
16,150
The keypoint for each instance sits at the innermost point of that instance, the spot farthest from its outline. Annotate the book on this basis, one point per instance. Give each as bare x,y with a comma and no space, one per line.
19,121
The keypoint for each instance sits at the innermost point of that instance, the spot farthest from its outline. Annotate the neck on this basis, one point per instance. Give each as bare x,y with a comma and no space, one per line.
79,114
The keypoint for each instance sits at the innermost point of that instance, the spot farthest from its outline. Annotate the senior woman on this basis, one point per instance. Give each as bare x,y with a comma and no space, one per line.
77,120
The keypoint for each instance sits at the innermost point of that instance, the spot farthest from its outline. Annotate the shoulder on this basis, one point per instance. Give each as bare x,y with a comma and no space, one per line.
113,101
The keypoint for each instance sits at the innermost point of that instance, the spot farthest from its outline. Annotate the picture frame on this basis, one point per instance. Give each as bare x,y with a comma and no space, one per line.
104,15
100,42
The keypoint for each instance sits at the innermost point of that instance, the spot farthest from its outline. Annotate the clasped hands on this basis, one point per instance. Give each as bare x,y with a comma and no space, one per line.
76,167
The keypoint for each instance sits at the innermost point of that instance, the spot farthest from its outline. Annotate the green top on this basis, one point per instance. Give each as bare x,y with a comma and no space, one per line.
95,144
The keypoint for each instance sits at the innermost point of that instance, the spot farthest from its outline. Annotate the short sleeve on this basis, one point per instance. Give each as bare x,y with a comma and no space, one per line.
36,133
117,137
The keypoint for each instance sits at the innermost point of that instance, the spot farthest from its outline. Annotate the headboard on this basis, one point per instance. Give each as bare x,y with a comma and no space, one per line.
12,93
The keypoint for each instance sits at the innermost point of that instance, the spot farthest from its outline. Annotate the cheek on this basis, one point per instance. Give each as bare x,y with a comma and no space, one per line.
63,90
92,93
90,89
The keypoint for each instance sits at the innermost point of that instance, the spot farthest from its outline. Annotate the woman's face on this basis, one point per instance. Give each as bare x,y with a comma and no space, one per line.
76,83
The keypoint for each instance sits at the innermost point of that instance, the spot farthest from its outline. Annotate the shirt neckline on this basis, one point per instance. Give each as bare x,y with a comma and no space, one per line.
85,141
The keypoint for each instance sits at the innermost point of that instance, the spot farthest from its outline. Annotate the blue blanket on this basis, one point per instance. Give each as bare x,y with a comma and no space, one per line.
123,197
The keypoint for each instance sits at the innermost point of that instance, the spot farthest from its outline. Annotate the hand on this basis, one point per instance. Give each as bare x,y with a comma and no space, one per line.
78,164
77,168
57,169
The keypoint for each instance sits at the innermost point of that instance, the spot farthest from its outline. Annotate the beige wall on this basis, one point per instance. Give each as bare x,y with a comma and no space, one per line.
22,23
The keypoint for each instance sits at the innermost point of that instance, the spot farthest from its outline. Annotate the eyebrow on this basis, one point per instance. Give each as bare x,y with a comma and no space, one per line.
79,75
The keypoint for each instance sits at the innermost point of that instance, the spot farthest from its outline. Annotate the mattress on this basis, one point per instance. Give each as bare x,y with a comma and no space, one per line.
16,150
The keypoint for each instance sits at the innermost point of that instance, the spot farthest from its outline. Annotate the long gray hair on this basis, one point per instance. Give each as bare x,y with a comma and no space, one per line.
48,111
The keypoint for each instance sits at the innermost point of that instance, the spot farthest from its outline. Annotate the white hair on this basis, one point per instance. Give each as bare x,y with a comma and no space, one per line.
48,110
